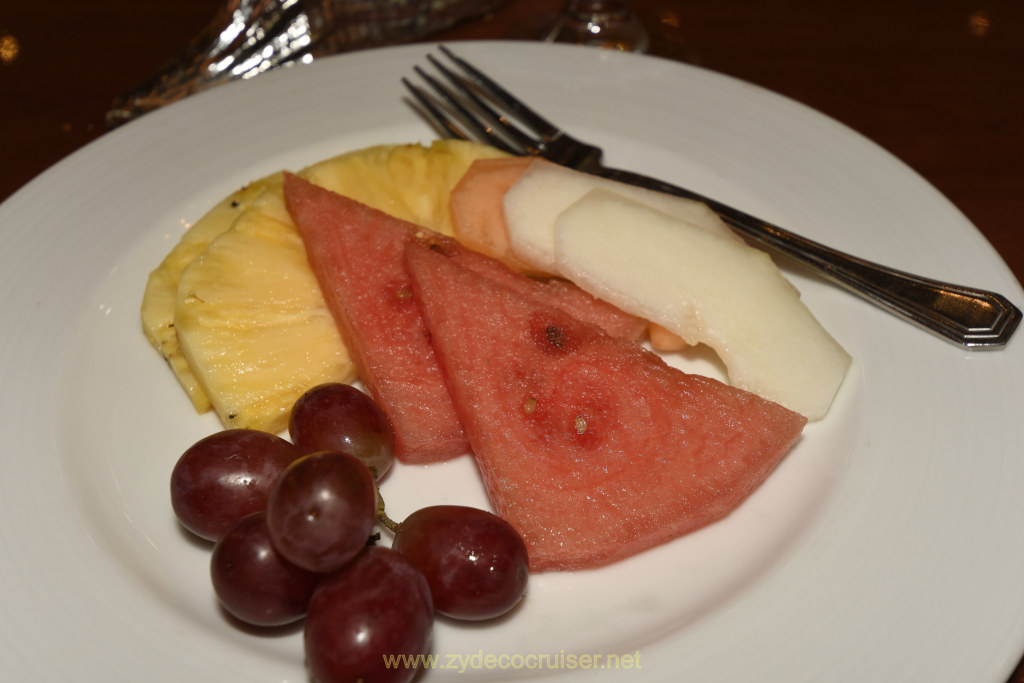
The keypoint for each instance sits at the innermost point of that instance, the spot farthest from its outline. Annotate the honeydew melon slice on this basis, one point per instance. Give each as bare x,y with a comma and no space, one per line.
708,289
545,190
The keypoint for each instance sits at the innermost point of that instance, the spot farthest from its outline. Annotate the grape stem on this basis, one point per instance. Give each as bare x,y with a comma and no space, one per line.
382,516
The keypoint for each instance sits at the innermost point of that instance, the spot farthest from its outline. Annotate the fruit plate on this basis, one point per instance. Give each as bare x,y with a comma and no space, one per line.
885,547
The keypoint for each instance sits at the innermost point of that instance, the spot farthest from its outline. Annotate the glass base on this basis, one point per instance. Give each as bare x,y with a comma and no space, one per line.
615,30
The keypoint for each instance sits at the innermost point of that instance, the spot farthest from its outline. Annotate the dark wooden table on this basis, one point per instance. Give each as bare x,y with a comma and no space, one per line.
938,84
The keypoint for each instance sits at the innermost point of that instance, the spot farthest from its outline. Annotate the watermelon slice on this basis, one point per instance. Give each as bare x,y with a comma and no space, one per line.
356,253
357,258
592,447
553,292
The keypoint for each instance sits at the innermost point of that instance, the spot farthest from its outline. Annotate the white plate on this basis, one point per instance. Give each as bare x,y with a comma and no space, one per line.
886,547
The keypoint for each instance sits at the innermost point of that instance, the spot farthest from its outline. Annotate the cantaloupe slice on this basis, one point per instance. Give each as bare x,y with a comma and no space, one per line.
476,203
664,340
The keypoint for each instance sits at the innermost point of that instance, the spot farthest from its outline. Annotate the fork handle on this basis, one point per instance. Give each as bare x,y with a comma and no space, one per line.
972,318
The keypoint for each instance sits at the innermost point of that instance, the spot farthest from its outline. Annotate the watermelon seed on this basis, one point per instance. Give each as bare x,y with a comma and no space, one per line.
404,293
555,336
581,424
530,405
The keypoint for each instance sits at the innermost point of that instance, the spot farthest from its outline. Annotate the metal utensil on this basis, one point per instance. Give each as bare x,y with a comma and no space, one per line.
463,104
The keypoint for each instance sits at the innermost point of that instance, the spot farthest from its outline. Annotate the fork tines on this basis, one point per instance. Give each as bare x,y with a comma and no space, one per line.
463,106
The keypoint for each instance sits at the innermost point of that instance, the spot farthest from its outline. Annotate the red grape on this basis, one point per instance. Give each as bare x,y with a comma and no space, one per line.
475,563
376,607
226,476
339,417
322,509
253,582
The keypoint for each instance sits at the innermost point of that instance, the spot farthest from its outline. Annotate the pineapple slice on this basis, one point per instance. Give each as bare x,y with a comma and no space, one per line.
252,336
410,182
252,323
161,293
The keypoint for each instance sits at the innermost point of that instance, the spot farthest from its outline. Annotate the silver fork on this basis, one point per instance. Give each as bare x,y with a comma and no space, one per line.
462,103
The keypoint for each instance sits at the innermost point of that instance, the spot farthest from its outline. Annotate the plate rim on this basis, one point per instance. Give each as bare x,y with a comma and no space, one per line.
165,125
